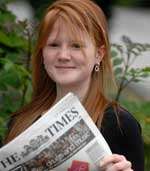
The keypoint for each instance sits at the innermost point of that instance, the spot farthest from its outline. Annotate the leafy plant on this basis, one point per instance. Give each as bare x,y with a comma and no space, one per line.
123,56
16,39
125,3
141,111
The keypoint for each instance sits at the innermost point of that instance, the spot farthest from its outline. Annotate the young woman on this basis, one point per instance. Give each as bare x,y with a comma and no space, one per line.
73,55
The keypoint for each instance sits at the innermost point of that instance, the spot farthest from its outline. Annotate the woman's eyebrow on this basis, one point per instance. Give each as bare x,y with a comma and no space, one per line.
77,41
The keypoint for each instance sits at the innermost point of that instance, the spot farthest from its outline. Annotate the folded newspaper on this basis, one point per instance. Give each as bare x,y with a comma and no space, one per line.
64,139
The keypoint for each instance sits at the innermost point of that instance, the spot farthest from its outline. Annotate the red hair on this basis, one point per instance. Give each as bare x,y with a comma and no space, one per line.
77,14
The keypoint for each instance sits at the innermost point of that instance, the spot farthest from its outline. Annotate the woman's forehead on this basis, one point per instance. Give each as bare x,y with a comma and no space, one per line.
72,31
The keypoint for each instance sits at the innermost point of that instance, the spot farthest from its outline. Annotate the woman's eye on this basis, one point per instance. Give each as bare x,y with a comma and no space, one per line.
76,45
53,45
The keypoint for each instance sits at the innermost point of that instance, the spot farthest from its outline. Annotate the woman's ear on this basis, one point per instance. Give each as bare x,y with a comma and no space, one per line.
100,53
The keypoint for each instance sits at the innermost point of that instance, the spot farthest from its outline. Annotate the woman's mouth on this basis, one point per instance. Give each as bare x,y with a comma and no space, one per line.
65,67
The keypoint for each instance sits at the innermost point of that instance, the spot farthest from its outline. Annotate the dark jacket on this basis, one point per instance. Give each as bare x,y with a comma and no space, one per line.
123,134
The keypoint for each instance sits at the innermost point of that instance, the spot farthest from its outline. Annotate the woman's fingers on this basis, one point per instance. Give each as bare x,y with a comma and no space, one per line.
120,166
114,158
115,162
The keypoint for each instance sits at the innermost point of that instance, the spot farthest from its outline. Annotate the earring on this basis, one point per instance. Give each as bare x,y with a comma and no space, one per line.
97,66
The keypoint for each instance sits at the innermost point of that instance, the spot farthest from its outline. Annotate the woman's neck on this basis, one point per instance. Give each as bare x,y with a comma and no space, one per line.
79,91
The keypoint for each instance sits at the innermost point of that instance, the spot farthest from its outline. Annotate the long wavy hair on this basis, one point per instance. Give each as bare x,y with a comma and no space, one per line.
77,14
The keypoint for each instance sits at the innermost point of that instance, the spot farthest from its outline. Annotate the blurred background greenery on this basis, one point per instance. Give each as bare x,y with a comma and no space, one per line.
16,45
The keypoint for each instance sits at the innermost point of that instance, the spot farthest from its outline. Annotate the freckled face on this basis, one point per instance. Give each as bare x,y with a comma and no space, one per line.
64,60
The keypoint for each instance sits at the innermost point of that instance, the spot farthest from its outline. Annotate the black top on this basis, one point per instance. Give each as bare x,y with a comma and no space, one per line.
123,134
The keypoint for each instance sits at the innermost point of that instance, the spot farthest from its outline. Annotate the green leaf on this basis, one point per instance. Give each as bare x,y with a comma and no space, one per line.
6,63
118,70
4,39
133,51
144,75
146,69
14,56
10,78
132,71
117,61
114,53
22,71
13,40
1,51
3,86
136,80
6,16
8,104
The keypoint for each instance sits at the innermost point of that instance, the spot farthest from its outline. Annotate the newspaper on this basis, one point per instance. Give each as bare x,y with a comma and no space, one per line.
64,139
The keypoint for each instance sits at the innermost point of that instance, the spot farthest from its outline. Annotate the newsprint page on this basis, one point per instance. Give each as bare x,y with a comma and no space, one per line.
63,139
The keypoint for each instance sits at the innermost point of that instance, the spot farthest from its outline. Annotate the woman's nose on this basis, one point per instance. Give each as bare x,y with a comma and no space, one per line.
64,54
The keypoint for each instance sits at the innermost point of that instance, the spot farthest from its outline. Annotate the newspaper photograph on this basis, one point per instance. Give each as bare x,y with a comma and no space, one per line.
64,139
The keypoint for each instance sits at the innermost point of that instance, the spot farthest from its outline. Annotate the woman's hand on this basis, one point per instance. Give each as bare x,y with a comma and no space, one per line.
115,162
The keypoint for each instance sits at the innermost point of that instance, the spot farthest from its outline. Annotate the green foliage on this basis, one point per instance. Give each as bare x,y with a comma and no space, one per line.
123,56
141,111
147,157
15,71
125,3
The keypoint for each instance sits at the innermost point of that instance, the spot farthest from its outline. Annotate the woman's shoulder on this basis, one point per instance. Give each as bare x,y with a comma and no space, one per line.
112,110
120,118
123,134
